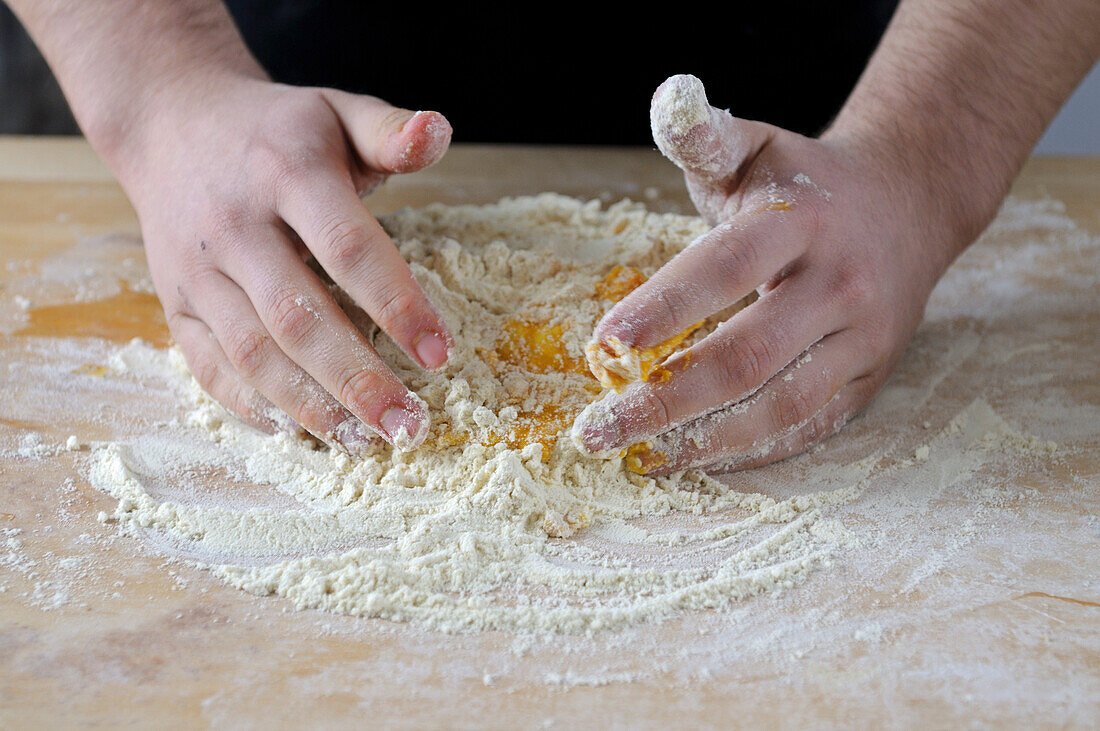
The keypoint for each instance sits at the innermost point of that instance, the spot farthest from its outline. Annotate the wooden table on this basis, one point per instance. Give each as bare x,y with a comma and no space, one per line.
974,596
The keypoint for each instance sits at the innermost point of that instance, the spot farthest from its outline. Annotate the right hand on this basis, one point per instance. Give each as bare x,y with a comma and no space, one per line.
234,180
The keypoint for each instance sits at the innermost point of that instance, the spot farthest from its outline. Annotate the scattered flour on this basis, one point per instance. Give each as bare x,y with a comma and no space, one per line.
498,522
994,532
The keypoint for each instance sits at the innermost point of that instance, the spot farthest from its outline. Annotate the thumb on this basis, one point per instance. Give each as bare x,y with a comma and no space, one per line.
707,143
389,139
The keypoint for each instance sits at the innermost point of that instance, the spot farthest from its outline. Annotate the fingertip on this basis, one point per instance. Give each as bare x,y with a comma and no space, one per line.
596,430
420,142
405,424
698,138
618,324
680,120
678,106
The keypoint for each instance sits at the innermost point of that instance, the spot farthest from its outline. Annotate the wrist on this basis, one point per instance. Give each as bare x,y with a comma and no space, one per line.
157,111
945,197
956,96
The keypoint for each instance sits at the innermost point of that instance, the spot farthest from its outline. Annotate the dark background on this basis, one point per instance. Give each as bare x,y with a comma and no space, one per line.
529,73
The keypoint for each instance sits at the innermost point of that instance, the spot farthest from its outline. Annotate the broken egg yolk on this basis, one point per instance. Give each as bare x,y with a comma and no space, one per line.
617,364
538,346
619,282
642,458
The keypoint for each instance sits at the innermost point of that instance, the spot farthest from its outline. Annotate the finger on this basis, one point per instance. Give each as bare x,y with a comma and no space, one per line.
358,254
389,139
783,407
715,271
208,363
729,365
298,311
705,142
255,358
827,422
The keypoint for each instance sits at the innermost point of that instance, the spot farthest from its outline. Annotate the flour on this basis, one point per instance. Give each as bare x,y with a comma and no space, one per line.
680,108
962,580
498,521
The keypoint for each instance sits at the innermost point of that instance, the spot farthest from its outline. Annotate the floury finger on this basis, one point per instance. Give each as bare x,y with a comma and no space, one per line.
729,365
748,429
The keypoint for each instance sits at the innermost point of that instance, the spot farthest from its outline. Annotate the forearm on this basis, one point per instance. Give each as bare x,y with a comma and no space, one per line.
116,59
960,91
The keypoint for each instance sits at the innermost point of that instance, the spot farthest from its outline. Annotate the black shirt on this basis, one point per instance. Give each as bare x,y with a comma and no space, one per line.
562,74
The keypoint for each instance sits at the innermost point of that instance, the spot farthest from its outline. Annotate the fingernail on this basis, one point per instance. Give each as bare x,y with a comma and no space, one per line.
404,429
412,116
431,350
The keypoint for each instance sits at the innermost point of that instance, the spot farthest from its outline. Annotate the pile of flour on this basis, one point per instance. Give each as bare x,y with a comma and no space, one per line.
498,521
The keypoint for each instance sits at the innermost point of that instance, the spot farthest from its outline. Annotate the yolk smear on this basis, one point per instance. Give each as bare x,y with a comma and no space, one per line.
536,347
92,370
663,371
529,427
542,426
616,364
120,318
775,205
451,439
642,459
619,282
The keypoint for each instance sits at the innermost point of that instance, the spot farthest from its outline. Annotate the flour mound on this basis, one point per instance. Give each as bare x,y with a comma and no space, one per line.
498,521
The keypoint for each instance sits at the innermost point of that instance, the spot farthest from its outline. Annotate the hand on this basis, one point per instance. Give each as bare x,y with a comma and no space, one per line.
843,246
235,180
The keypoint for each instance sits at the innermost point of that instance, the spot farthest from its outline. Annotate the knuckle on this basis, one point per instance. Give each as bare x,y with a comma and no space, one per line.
820,427
283,171
247,352
655,408
737,254
346,244
672,304
226,221
205,370
748,363
240,400
177,320
316,413
855,286
793,408
358,390
395,308
288,171
291,319
287,166
817,429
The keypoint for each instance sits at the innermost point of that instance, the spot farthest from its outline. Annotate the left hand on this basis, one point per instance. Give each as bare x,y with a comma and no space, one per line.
842,241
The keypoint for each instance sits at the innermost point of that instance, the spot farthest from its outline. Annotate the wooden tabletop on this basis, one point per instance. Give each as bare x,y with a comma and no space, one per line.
972,594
